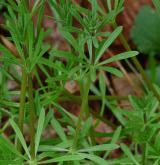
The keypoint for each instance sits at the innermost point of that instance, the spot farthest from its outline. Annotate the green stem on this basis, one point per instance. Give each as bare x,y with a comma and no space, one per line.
22,105
84,108
118,98
144,155
68,96
138,66
31,116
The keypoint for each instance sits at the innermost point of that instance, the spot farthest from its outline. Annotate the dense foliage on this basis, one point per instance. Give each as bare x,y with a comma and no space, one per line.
30,112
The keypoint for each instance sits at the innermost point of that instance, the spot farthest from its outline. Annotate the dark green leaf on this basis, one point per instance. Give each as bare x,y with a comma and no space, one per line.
145,32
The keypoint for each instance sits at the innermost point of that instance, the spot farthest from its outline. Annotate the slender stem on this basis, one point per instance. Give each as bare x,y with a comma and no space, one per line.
31,116
22,105
118,98
95,114
84,108
138,66
68,96
144,154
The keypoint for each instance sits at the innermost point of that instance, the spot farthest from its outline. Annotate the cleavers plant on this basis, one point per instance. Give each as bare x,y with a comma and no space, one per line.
32,111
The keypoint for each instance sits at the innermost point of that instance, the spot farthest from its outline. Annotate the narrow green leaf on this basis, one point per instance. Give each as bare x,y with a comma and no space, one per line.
94,8
103,147
94,158
36,6
7,54
86,127
102,84
13,4
115,138
65,158
20,136
93,73
4,143
39,43
103,34
109,5
65,54
65,144
116,134
39,129
59,130
8,60
17,43
127,151
70,39
56,8
30,35
117,113
48,117
112,70
36,58
51,148
120,56
89,44
11,12
40,17
107,43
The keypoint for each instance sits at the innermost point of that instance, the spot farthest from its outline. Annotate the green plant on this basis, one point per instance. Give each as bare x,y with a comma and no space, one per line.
140,125
91,23
34,111
148,41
